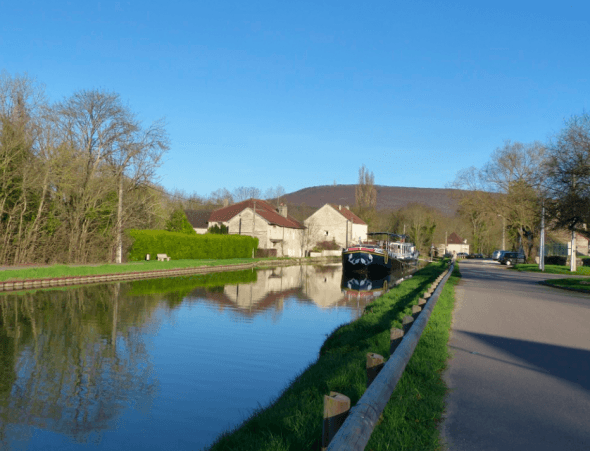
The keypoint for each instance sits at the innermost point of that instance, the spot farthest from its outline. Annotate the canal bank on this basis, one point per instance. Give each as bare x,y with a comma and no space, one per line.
294,420
25,278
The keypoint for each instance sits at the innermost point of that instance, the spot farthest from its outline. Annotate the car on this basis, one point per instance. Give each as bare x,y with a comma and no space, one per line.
498,254
462,255
511,258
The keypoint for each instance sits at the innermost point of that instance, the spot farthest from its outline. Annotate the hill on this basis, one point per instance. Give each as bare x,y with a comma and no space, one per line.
388,197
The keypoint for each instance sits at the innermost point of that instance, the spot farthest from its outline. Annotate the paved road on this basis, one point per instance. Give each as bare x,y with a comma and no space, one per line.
520,375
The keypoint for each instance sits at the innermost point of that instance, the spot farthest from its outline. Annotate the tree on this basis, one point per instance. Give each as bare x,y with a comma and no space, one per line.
246,192
508,186
365,196
179,223
114,145
274,194
567,173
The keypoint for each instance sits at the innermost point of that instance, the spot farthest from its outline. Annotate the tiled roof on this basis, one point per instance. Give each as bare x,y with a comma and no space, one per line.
198,218
454,239
348,214
263,208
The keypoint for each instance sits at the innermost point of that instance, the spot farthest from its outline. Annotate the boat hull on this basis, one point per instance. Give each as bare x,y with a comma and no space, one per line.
365,260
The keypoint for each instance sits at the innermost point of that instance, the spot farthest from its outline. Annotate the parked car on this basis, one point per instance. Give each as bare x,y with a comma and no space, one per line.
498,254
462,255
511,258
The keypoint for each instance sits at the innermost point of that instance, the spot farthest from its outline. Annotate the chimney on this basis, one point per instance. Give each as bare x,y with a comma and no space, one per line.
339,207
283,210
347,207
226,202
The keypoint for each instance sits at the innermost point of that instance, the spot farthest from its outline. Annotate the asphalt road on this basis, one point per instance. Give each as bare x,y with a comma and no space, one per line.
519,378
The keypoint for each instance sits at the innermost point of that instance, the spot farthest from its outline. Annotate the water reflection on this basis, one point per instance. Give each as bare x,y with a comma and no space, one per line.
160,356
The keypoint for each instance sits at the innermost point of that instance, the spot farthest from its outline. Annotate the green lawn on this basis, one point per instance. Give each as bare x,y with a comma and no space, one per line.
575,284
294,420
554,269
87,270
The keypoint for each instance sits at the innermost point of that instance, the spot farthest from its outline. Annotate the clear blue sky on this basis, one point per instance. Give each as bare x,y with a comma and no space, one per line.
302,93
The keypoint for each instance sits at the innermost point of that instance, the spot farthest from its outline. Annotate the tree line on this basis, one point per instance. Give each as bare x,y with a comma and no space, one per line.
521,180
73,174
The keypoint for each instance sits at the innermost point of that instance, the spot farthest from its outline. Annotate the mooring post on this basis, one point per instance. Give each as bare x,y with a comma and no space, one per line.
395,338
336,408
407,323
374,365
416,309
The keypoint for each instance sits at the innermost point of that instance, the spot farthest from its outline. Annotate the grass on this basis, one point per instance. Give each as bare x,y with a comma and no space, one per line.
582,285
554,269
87,270
294,420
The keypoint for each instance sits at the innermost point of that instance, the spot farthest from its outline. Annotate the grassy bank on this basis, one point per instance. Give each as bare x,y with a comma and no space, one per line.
88,270
554,269
294,420
582,285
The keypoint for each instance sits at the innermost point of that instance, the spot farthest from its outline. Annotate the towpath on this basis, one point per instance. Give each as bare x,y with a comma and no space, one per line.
520,375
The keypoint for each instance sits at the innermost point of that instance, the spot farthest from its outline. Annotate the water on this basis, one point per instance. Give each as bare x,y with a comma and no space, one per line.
165,363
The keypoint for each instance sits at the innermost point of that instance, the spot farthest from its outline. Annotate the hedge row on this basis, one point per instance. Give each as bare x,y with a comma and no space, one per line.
180,246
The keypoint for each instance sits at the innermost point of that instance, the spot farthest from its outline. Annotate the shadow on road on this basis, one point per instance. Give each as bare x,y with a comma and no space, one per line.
570,364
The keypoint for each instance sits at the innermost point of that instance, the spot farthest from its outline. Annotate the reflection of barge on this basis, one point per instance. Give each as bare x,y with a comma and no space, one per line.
364,288
382,252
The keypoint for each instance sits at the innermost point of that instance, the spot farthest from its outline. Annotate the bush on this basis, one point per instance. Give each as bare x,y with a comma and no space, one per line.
179,223
180,246
555,260
326,246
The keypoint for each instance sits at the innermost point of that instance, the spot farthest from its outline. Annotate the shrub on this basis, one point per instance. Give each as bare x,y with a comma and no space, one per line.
180,246
179,223
217,230
326,246
555,260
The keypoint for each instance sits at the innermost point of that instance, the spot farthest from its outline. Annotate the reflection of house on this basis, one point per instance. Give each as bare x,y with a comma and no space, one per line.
199,219
335,223
274,228
456,244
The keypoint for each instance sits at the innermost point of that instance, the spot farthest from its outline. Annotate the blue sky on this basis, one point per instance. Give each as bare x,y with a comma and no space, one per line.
302,94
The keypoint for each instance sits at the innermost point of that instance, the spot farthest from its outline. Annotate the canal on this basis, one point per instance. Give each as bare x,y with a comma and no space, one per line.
163,363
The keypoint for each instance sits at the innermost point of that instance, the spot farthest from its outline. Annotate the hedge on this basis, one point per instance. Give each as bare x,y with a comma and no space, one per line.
180,246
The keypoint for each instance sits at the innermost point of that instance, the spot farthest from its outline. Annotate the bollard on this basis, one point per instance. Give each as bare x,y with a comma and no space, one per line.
336,408
416,311
395,338
407,323
374,365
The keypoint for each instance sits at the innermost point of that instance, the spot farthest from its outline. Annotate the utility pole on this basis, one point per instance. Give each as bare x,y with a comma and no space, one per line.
542,243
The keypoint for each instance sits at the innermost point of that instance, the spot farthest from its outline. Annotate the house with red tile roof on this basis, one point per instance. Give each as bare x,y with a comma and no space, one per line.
456,244
336,223
273,227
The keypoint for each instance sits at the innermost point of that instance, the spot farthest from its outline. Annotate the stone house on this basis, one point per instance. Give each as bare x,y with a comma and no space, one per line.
273,227
456,244
335,223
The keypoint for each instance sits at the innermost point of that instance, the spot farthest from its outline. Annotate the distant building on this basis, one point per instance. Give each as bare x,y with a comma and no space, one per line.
273,227
336,223
456,244
199,219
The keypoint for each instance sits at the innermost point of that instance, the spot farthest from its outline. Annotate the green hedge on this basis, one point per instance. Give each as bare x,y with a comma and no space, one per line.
180,246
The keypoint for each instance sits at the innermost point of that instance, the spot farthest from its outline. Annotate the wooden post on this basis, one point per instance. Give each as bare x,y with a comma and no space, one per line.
374,365
407,323
416,311
336,408
395,338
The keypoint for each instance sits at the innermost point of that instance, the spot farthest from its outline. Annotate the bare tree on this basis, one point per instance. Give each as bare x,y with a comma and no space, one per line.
568,176
365,196
246,192
114,147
